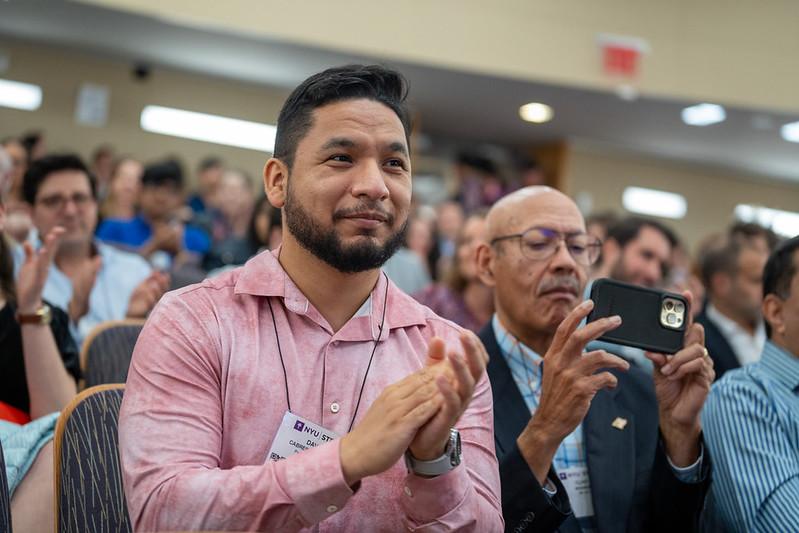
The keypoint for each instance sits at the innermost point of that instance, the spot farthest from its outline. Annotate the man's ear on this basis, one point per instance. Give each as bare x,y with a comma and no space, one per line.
485,264
772,313
276,176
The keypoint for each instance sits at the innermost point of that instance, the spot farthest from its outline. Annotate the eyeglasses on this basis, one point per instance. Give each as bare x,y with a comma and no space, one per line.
538,244
56,202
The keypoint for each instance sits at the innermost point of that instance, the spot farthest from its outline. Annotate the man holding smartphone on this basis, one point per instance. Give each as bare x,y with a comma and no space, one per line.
585,441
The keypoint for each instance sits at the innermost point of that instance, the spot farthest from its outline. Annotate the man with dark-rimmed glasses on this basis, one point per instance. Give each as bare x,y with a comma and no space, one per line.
584,441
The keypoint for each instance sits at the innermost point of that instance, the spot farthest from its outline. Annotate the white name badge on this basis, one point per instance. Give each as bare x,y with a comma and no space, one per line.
578,487
296,435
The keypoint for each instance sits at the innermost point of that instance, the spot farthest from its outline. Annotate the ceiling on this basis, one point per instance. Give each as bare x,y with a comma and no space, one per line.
465,107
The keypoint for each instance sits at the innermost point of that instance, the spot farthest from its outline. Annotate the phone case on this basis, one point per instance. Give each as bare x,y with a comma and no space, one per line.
639,308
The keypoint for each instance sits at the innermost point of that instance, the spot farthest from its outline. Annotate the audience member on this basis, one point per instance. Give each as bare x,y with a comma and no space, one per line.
18,218
93,282
157,233
530,173
627,450
38,373
236,201
637,251
449,224
751,419
124,188
102,168
597,225
479,182
462,297
266,226
732,271
209,175
765,238
205,372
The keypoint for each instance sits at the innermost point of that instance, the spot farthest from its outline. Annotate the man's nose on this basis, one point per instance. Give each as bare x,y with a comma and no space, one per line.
369,181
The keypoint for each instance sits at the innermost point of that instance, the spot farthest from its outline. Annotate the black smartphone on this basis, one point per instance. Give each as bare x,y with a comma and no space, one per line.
651,319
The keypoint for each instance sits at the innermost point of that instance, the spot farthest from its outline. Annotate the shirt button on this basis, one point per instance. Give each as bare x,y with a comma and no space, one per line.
335,407
408,492
332,508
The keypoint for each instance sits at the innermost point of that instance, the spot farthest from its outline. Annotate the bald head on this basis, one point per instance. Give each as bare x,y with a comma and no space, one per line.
532,206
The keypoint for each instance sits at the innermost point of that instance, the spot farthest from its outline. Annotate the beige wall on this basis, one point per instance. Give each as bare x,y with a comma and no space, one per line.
60,73
717,50
711,195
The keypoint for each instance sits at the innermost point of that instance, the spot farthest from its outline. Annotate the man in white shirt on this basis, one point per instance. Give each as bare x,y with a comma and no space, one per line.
93,282
732,272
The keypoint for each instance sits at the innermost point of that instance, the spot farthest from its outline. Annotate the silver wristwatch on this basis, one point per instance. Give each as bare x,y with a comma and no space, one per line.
442,465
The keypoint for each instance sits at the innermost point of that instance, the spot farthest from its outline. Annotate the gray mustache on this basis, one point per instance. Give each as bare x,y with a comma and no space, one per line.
568,283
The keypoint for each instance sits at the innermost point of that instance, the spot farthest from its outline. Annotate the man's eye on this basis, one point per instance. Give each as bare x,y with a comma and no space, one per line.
537,245
399,163
340,158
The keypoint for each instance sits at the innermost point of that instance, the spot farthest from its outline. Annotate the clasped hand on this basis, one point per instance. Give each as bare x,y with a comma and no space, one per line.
416,413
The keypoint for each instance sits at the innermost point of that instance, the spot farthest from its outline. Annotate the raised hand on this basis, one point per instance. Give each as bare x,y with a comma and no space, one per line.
387,428
82,285
682,383
146,294
33,272
570,382
456,377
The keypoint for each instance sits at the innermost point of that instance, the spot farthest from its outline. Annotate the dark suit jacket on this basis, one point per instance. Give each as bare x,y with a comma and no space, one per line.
720,351
632,485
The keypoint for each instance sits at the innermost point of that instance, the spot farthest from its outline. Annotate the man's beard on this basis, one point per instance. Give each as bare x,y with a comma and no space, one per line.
326,243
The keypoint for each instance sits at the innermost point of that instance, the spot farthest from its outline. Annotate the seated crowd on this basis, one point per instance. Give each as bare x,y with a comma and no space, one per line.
343,262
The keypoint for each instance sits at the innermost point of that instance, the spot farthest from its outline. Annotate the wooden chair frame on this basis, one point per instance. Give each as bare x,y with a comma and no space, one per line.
98,329
58,440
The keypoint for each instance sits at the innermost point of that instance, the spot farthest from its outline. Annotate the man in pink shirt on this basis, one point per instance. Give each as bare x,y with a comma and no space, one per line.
240,386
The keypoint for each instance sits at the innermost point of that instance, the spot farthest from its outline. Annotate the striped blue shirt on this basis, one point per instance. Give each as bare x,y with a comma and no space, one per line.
751,425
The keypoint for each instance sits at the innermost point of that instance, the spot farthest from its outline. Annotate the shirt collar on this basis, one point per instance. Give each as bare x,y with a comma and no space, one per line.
263,275
728,326
509,344
781,364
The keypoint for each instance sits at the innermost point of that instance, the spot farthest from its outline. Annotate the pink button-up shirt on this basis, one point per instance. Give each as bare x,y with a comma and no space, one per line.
206,395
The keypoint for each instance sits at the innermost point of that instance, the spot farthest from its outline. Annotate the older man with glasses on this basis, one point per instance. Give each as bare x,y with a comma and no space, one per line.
584,441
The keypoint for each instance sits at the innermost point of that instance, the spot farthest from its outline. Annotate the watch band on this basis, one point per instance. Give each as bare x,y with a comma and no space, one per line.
42,316
448,461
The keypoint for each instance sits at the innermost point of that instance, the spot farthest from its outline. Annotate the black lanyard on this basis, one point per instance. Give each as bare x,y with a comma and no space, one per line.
368,367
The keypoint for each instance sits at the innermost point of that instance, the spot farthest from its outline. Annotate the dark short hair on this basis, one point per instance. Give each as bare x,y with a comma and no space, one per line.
41,168
721,256
750,230
779,272
627,229
372,82
209,163
168,173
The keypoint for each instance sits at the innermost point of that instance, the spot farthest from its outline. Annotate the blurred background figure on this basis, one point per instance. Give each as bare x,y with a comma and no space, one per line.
449,224
35,145
102,166
235,201
461,296
124,187
530,174
479,182
408,268
209,176
18,219
158,233
597,224
732,272
683,275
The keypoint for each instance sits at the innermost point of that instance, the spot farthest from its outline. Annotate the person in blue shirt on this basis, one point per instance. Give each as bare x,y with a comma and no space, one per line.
159,231
751,418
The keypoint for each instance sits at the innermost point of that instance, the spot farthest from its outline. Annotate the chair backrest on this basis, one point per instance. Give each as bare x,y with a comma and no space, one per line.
107,350
88,479
5,503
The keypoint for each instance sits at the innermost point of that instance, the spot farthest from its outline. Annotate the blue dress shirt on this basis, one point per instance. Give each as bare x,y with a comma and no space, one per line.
751,424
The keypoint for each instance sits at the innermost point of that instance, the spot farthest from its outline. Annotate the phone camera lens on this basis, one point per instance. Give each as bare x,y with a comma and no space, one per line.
671,318
679,308
669,306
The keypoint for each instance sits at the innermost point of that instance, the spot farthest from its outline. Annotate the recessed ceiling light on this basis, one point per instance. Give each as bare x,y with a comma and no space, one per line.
703,114
790,132
536,112
208,128
654,202
20,95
